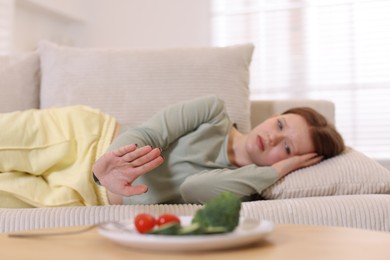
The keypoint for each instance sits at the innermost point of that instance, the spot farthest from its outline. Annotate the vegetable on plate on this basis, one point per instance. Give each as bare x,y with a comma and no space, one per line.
219,215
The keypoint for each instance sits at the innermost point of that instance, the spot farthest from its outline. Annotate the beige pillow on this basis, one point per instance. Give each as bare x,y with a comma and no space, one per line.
19,81
349,173
132,85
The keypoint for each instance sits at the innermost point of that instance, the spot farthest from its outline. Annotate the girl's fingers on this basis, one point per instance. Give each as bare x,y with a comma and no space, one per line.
313,160
146,167
134,190
137,153
124,150
147,157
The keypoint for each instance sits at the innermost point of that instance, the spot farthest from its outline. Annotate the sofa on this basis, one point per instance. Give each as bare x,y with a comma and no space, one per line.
350,190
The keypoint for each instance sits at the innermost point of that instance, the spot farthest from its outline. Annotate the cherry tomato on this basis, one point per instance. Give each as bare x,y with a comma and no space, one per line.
144,223
167,218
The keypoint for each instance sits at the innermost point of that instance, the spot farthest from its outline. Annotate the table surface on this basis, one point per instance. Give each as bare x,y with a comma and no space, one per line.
286,242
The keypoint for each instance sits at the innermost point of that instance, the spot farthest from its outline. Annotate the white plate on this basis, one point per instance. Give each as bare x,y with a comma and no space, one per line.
249,231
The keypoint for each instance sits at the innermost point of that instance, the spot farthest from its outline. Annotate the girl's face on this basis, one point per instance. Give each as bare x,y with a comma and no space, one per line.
278,138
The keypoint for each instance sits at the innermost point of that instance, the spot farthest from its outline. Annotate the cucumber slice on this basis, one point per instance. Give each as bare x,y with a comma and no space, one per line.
167,229
192,229
215,230
196,229
175,228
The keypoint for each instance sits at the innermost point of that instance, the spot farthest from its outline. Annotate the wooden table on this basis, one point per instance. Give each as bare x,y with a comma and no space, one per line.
286,242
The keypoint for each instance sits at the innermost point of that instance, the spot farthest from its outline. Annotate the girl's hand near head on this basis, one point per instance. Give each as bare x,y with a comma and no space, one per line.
118,169
296,162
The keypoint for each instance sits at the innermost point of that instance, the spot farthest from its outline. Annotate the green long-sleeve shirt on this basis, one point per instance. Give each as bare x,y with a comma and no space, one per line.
193,136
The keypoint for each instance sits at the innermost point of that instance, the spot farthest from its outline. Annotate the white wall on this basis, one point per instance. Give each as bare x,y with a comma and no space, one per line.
113,23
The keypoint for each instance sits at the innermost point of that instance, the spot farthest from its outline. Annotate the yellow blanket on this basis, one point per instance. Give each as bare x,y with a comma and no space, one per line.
46,156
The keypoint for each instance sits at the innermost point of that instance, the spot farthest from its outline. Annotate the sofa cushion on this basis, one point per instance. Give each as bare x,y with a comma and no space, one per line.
132,85
349,173
19,74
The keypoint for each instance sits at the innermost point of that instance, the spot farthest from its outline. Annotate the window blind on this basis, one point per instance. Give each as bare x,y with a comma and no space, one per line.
337,50
6,15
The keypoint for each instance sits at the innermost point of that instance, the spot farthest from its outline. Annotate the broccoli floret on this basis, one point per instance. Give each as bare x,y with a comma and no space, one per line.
221,212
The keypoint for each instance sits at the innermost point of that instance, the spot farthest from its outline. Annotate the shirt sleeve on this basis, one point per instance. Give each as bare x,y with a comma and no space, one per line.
243,182
171,123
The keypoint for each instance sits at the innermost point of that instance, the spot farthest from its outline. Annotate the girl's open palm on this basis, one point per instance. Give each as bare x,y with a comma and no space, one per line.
118,169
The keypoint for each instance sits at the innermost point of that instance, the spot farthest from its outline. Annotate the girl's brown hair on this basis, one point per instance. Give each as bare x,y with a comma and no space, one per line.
326,139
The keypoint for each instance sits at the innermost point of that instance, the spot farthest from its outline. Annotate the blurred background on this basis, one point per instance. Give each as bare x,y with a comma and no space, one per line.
337,50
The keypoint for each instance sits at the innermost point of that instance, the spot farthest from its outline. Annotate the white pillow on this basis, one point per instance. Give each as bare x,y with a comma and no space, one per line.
19,81
349,173
132,85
